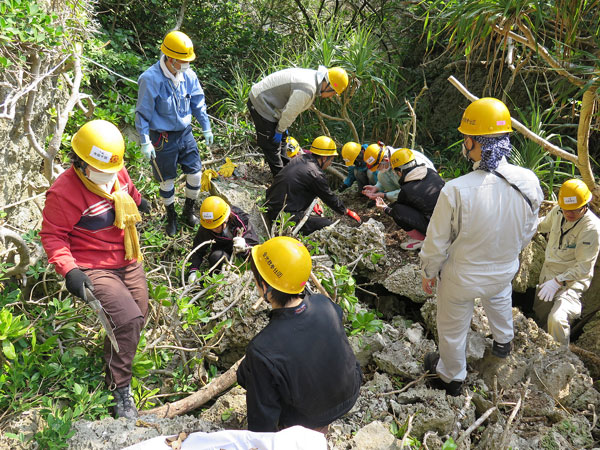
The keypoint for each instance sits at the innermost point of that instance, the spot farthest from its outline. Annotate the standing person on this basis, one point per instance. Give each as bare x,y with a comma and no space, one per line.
352,154
377,157
420,188
480,224
169,94
88,232
300,369
228,226
301,181
571,253
276,101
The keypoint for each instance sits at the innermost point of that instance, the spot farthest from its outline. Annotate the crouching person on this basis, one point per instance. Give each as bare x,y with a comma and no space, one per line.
89,234
300,369
228,226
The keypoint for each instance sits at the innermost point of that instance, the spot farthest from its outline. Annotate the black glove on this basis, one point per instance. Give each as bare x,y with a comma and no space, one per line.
144,206
77,281
343,187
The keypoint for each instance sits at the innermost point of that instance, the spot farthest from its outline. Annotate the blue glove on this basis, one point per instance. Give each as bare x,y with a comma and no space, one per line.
208,137
277,137
148,151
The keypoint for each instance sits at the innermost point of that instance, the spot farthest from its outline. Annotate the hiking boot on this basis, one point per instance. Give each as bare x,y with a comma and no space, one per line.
453,388
171,227
501,350
411,244
188,213
124,403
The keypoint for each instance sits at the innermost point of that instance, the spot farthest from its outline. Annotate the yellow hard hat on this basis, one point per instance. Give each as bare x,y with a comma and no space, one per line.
350,151
573,194
100,144
213,212
292,147
401,156
374,154
338,79
485,116
324,146
179,46
284,263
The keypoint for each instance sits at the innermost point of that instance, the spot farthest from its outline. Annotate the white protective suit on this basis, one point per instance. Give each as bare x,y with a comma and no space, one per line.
570,260
478,228
283,95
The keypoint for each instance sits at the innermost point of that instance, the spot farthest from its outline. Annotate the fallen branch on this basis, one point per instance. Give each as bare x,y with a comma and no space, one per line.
475,425
198,398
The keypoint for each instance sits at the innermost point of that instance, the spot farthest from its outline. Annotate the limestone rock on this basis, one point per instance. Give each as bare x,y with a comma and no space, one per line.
363,246
375,436
531,261
405,281
229,411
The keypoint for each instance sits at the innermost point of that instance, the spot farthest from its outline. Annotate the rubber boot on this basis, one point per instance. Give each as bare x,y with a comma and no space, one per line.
171,227
124,403
189,217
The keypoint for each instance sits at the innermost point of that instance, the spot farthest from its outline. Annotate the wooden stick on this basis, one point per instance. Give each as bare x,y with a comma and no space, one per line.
551,148
198,398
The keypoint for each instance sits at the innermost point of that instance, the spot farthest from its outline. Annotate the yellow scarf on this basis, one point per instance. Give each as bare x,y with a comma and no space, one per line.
126,214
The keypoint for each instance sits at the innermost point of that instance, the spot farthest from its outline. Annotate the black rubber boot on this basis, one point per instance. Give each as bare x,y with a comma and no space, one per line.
189,217
501,350
124,404
171,227
454,388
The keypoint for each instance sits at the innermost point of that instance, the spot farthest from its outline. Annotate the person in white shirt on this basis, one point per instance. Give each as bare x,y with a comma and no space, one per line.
571,253
480,224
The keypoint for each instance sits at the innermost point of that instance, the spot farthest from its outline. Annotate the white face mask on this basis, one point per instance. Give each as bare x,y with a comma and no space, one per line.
102,178
183,67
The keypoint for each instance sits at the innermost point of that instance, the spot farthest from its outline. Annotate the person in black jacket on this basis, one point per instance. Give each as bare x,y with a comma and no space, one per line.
228,226
301,181
420,188
300,369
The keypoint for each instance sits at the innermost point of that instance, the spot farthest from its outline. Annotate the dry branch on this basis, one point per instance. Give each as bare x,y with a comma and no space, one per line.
551,148
198,398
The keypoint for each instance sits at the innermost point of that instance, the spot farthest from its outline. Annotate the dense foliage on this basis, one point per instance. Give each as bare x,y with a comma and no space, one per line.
393,50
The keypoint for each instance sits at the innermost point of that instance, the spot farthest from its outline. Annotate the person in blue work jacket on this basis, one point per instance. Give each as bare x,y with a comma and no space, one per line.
352,154
169,93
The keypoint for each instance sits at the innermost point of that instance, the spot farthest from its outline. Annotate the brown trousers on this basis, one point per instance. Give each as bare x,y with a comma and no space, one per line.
123,294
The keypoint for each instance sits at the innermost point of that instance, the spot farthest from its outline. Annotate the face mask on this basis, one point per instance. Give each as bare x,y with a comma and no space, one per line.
227,232
101,178
183,67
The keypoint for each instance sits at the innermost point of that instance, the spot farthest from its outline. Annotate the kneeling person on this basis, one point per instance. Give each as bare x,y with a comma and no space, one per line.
228,226
571,253
300,369
420,188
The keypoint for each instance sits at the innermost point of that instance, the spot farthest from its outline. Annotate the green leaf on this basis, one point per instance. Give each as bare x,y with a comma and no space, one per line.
8,349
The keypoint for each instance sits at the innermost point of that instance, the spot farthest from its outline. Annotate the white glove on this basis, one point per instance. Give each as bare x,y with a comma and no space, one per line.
208,137
192,276
239,244
148,151
548,289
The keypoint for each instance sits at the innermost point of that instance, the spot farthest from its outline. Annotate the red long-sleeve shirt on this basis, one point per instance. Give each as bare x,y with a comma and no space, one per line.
77,228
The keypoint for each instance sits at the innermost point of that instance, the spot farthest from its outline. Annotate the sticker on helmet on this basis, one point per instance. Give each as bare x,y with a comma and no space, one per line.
208,215
100,155
570,200
370,160
501,122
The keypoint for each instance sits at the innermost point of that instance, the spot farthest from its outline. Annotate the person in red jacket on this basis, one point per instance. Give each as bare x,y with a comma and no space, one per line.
88,232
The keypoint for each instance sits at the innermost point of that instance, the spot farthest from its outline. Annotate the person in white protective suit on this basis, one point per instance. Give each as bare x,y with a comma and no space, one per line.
480,224
573,242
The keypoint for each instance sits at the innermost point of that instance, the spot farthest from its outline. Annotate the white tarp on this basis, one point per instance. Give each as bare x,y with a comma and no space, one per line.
294,438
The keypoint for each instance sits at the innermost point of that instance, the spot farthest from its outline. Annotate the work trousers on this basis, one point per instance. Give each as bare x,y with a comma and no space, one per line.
123,294
556,316
409,218
175,148
455,305
275,154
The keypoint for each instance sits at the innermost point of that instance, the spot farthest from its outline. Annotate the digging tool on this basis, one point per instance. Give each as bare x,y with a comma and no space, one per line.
157,169
96,306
